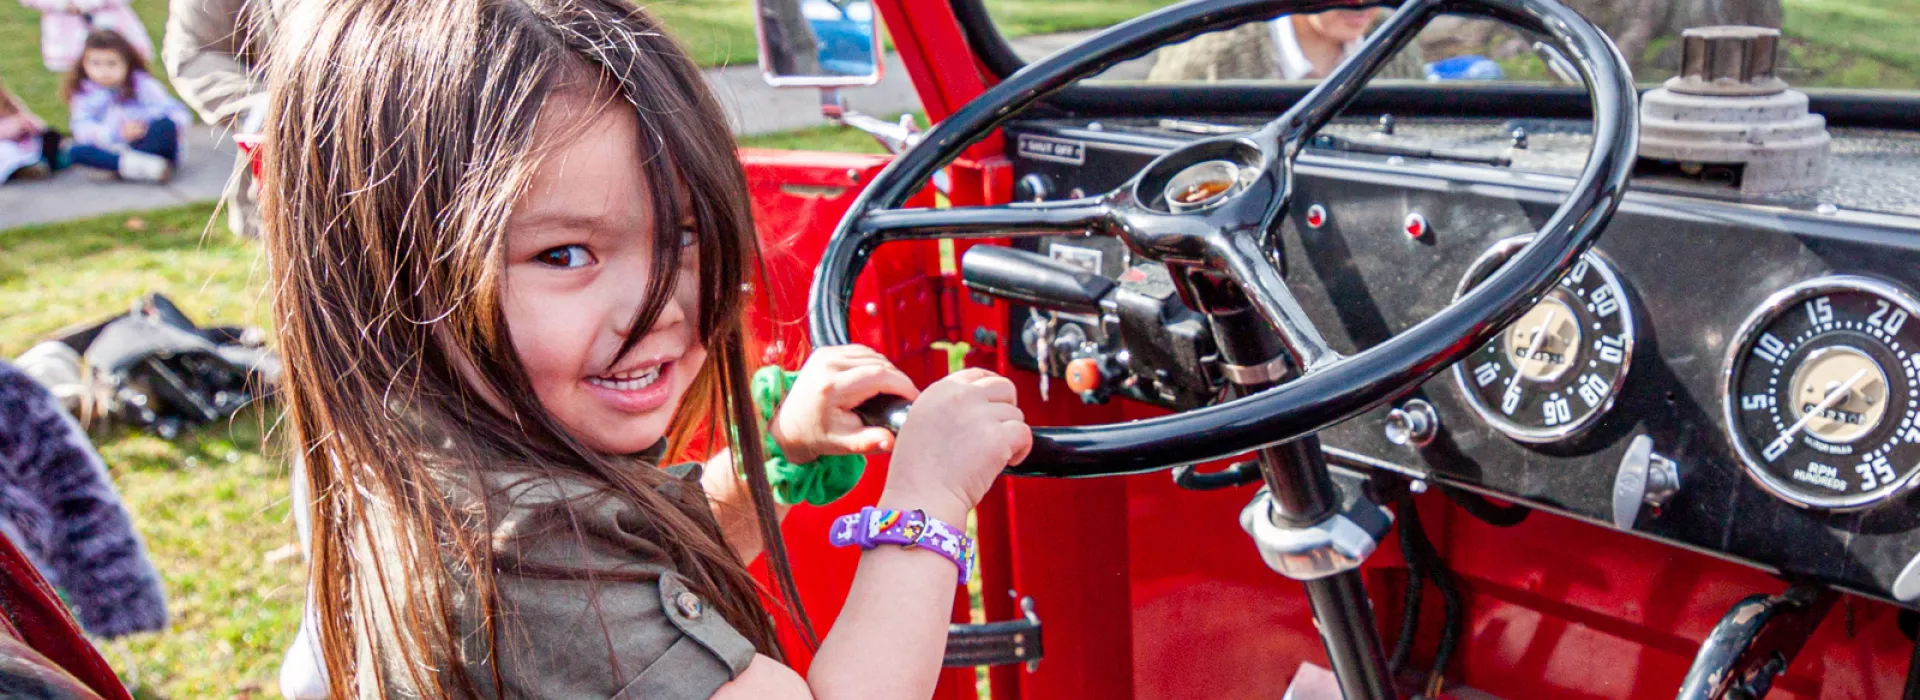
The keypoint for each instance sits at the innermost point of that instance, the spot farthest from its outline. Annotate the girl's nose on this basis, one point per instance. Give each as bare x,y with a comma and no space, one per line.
672,312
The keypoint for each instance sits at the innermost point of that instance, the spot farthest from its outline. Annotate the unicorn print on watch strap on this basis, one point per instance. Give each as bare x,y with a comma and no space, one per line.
872,527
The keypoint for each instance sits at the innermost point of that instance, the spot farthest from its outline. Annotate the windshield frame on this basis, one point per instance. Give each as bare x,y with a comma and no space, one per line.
1843,107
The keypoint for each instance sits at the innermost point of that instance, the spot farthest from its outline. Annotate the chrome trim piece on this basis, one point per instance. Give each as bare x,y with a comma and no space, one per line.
1270,371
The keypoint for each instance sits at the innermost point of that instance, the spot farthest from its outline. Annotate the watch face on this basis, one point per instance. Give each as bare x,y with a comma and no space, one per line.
1556,370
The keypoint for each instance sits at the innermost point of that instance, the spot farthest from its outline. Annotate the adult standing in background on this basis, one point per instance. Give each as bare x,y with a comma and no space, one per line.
65,24
210,50
1290,47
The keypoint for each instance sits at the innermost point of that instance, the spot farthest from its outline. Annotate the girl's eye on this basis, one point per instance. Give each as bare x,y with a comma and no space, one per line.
568,256
688,238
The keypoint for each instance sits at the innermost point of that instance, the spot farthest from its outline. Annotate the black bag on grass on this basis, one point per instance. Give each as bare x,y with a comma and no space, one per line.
154,368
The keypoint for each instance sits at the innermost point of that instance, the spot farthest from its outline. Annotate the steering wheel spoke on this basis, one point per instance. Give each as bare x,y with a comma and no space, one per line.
1084,215
1333,94
1244,260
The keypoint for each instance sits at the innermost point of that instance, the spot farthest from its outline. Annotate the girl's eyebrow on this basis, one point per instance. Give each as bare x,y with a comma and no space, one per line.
569,221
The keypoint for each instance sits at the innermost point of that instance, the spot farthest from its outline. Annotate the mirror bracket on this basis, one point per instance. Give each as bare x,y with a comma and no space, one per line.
896,137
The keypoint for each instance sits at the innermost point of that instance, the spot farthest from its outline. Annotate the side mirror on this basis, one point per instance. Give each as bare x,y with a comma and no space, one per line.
818,43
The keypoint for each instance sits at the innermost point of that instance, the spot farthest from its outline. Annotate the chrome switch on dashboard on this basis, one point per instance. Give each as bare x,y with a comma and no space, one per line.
1644,477
1413,424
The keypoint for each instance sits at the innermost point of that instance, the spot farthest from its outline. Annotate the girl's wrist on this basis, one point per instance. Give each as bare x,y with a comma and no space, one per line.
794,451
938,503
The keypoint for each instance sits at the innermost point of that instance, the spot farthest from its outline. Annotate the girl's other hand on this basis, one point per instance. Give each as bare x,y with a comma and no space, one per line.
132,130
817,416
959,435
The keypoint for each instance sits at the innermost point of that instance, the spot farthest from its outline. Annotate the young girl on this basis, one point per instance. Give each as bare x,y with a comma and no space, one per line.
509,245
28,149
123,119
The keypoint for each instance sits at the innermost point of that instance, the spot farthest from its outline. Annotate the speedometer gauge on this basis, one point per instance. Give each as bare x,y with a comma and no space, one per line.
1556,370
1821,395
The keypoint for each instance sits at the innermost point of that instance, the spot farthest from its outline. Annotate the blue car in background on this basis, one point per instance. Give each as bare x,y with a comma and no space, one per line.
844,32
1464,68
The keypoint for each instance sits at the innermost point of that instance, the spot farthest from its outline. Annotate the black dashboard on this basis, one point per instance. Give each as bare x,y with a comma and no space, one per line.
1756,347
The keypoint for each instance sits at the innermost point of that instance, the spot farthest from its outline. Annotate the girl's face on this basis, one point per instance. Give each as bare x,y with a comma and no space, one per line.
104,66
579,254
1343,26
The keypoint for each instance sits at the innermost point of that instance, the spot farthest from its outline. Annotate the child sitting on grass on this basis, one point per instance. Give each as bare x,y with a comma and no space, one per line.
28,149
124,121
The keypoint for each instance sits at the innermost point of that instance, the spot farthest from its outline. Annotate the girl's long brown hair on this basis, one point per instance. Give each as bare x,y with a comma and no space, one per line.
104,40
400,135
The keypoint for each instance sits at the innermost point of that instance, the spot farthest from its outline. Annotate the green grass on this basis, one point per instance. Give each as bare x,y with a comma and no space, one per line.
52,276
824,138
1853,44
212,506
716,32
26,76
1024,17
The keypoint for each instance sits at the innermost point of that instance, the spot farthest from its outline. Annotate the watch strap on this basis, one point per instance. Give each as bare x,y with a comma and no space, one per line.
872,527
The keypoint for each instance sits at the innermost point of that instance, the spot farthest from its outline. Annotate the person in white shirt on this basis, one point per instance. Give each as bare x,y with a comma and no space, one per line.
1291,47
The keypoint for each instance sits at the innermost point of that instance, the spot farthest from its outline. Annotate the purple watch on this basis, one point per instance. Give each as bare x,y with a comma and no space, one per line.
872,527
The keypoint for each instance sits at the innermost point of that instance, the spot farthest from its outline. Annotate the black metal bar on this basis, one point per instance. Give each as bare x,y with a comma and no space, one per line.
1345,617
1016,219
1303,494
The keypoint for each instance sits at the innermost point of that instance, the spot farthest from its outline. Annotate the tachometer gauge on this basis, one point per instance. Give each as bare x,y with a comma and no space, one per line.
1820,394
1554,372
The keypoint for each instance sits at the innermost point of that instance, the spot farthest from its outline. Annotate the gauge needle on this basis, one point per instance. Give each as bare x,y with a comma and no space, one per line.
1539,337
1833,399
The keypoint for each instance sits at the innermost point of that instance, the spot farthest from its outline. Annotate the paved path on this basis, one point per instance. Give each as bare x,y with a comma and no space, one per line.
77,193
752,106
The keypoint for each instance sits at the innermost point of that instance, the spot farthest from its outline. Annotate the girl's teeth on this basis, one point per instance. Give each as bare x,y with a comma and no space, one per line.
640,381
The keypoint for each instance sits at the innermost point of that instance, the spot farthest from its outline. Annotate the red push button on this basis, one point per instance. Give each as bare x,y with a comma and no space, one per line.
1316,216
1415,225
1083,374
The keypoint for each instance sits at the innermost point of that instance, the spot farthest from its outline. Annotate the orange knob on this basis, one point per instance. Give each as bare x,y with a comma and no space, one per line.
1083,374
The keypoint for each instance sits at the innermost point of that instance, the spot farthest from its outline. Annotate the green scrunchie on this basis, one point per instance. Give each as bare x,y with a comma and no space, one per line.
819,482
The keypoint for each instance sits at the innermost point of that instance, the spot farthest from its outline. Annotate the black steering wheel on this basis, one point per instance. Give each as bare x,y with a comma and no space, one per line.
1216,207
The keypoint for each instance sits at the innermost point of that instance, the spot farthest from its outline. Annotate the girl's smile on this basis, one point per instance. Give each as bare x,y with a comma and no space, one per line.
637,390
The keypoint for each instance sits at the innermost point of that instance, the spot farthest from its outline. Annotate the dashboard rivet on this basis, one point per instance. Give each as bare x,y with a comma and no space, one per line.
1415,225
1826,209
1316,216
873,309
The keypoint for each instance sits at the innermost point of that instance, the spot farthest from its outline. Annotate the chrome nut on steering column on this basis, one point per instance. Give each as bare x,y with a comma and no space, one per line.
1334,545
